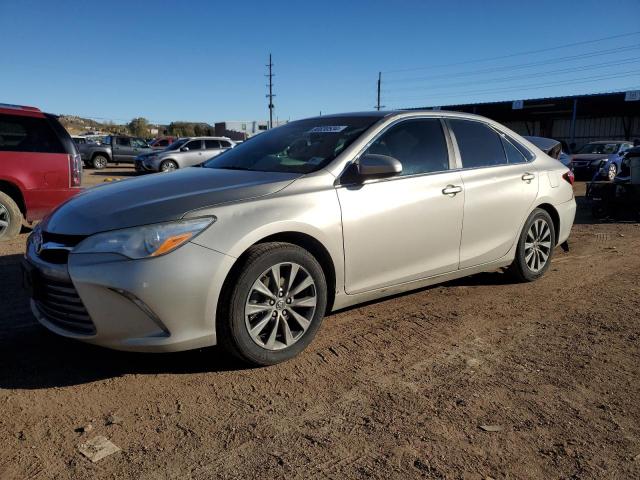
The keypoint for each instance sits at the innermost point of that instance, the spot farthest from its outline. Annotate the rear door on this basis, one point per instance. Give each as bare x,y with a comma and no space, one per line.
212,148
500,186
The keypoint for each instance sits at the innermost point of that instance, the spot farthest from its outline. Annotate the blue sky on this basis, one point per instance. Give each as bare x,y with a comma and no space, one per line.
204,60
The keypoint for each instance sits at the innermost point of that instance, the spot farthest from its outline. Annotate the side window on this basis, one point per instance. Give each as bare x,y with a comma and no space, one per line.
194,145
28,134
138,143
163,143
479,145
123,141
211,144
418,144
513,154
225,144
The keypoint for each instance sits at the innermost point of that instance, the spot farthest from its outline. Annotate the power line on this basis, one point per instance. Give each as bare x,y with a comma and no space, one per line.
517,77
597,53
511,55
539,85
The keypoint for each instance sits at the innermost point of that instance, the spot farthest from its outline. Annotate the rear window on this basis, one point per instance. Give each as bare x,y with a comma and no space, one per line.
28,134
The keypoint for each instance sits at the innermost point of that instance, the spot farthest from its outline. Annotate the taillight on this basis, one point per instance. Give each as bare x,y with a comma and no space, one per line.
569,177
75,170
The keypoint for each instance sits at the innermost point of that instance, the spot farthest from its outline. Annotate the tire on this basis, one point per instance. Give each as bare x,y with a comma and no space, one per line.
612,171
168,166
10,218
283,324
99,162
524,267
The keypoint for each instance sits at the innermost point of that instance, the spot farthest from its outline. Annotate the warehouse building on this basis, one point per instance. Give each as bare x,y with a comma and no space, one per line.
577,119
243,129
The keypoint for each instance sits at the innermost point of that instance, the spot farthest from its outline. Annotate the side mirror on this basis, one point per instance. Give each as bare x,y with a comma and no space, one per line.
379,166
184,149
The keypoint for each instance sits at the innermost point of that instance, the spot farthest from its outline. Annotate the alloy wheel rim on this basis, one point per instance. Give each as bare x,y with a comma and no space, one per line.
280,306
4,218
168,167
612,172
537,245
100,162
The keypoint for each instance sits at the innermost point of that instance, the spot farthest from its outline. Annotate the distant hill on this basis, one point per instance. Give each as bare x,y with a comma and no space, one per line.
139,126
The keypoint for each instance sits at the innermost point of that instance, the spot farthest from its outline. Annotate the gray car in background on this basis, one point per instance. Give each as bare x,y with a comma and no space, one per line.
184,152
251,250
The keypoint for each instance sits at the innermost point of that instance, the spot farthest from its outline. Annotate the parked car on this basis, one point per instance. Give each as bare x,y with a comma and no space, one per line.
251,250
161,143
113,149
551,147
625,168
599,160
39,166
185,152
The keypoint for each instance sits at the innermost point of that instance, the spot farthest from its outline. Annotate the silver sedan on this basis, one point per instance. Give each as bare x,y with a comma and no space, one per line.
254,248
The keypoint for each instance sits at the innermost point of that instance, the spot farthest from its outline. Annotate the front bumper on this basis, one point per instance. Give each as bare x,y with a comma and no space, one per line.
158,304
586,171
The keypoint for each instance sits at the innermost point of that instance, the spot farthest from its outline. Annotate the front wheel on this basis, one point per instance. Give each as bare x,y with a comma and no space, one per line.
99,162
168,166
535,247
274,305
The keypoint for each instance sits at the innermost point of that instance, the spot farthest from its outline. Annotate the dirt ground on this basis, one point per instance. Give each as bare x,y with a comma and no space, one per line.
399,388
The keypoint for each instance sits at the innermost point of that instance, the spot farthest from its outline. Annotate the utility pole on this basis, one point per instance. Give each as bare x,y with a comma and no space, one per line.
270,95
378,106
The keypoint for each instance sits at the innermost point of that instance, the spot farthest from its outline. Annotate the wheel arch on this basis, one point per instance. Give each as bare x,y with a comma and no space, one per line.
302,240
555,217
100,152
15,192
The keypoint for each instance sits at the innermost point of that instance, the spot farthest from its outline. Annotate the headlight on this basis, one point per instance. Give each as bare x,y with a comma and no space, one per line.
146,241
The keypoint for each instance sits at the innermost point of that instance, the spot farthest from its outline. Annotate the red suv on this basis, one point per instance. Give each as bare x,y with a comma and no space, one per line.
39,166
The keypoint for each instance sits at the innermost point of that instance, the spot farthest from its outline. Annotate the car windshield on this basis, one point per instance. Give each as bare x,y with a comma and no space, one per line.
177,144
297,147
599,148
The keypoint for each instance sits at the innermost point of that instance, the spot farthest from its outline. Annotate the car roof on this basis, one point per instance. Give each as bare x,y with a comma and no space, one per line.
611,141
23,110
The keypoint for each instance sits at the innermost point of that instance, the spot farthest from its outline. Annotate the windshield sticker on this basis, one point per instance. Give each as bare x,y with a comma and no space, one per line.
328,129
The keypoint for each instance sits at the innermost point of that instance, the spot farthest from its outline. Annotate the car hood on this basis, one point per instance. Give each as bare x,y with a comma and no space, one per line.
159,198
589,156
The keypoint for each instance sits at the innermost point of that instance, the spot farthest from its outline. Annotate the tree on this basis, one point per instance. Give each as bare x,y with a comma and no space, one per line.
139,127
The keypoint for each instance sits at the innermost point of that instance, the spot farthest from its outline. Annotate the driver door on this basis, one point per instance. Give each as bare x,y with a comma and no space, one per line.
406,227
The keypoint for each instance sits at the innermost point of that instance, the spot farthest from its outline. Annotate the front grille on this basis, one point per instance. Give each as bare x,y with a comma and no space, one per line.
56,246
60,304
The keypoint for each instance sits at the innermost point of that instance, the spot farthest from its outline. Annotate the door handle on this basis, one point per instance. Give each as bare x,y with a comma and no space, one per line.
451,190
527,177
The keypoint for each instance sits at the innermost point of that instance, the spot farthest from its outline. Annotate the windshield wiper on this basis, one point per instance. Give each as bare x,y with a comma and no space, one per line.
232,167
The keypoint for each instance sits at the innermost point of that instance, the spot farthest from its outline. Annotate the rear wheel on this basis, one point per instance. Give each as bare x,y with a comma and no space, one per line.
274,305
535,247
168,166
10,218
99,162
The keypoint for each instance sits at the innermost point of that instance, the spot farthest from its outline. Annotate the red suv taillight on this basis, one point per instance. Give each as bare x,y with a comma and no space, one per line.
569,177
75,170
